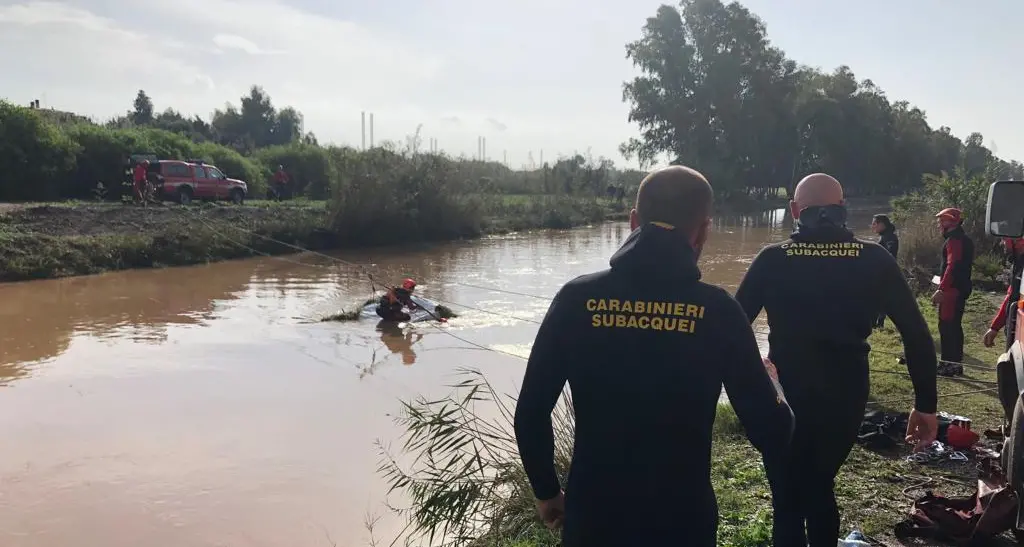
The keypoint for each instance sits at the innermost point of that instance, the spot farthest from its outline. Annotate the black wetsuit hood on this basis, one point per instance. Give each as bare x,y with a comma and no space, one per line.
821,233
658,253
822,224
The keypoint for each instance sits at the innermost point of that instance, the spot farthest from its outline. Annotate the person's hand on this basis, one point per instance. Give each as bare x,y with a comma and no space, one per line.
990,338
552,511
770,367
937,297
921,429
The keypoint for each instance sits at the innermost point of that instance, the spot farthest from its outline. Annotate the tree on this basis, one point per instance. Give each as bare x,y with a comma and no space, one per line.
143,111
257,124
715,94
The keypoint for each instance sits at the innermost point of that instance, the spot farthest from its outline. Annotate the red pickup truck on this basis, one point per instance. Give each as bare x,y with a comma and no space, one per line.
184,181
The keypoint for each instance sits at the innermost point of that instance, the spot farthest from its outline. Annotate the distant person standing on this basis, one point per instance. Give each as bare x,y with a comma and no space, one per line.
281,182
954,289
886,230
139,179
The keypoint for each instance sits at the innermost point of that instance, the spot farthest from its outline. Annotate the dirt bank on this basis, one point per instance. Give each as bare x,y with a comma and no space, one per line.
57,240
86,219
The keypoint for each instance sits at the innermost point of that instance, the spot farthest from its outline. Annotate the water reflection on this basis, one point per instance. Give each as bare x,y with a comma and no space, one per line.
399,340
40,318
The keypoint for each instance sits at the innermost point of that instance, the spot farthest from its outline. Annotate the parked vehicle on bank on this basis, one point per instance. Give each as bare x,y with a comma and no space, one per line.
185,181
1004,217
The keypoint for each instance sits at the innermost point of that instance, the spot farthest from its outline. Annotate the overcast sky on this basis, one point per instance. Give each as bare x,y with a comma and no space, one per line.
530,75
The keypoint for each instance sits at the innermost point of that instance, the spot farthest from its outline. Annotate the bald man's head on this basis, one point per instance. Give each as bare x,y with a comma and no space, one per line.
675,195
818,190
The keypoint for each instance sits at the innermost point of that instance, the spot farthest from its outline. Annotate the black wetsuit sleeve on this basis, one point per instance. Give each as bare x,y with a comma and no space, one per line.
542,385
901,306
755,285
765,415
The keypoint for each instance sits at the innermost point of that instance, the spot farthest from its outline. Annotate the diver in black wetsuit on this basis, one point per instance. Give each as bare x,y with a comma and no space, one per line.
888,239
646,348
823,289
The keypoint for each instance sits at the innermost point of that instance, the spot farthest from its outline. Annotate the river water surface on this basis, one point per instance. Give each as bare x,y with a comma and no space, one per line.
207,406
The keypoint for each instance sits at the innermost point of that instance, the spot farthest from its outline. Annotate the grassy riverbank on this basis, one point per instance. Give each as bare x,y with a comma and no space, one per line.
480,485
75,238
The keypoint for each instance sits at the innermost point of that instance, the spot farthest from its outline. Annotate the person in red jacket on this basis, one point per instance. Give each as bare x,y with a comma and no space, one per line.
954,289
391,303
1007,314
280,182
139,178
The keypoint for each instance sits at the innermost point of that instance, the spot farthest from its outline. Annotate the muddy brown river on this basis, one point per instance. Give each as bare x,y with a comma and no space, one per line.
207,406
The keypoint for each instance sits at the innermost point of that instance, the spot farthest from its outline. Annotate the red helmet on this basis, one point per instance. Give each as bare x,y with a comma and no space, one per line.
408,284
951,214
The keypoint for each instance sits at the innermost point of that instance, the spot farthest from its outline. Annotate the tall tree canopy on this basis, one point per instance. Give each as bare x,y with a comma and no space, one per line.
255,124
715,94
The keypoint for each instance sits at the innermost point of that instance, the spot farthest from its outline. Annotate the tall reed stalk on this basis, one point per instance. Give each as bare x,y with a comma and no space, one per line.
464,480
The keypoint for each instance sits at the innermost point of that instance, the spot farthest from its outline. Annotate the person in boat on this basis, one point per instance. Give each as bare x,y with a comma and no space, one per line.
886,230
646,348
823,289
391,304
1007,314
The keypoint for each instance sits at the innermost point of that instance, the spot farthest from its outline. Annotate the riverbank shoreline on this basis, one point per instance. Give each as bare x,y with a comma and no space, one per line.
66,239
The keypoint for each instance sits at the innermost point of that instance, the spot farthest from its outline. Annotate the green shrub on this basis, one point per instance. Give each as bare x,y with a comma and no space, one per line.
967,193
42,161
384,196
102,155
920,239
37,160
311,168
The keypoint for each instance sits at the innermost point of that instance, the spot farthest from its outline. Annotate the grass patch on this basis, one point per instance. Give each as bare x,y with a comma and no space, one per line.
467,486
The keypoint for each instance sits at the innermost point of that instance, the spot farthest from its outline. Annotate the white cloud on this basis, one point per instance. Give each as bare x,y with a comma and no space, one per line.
233,41
548,73
453,67
63,46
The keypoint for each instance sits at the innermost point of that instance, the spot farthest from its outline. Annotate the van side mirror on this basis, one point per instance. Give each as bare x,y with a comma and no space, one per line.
1004,213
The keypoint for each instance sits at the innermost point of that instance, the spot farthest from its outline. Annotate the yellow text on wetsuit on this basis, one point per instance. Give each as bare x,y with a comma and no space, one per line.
640,314
843,249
